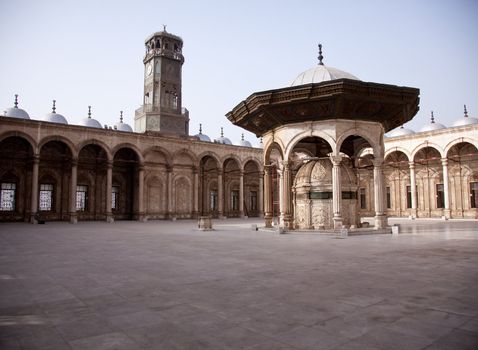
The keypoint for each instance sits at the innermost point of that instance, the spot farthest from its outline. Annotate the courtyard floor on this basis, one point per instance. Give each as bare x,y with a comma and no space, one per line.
166,285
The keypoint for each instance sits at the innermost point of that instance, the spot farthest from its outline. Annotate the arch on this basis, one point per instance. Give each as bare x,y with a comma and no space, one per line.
315,133
234,157
273,143
251,160
211,155
458,141
424,145
22,135
377,150
73,150
159,149
130,146
96,142
389,154
269,149
399,149
188,153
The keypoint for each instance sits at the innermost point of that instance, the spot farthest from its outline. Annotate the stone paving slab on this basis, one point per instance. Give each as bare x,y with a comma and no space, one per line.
166,285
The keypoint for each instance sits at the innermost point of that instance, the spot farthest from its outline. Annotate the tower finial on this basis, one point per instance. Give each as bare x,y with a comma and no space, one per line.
53,109
16,101
433,118
200,129
466,112
121,116
89,112
320,55
222,132
164,28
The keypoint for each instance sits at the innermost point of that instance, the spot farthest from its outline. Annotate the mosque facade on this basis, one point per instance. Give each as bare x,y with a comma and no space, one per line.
51,170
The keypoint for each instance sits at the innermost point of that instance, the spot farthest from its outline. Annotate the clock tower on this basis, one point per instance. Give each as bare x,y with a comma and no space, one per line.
162,110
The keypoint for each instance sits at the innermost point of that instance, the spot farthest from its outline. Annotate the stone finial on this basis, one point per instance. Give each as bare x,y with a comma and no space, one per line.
121,116
242,137
53,108
261,140
89,112
164,28
465,111
320,55
16,101
200,129
222,132
433,118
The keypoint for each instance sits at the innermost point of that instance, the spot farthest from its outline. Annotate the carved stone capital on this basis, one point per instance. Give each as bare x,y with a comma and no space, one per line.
377,162
444,161
411,165
336,159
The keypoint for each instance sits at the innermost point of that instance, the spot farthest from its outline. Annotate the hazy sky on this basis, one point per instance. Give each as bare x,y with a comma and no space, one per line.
90,53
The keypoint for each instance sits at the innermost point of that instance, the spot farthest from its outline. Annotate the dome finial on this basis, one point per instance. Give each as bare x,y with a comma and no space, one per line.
53,108
200,129
164,28
320,55
89,112
466,112
433,118
222,132
402,127
121,116
242,137
16,101
261,140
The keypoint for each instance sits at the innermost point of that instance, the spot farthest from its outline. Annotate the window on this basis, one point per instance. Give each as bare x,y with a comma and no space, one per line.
234,200
320,195
474,194
46,197
114,197
253,200
389,198
363,202
81,197
409,197
7,196
440,196
213,200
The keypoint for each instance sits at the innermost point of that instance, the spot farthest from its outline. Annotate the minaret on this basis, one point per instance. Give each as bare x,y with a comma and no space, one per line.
162,110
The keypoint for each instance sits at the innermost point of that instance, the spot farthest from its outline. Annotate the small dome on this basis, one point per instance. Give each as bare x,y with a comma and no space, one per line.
243,143
401,131
16,112
465,120
222,139
123,126
90,122
201,136
319,74
432,125
54,117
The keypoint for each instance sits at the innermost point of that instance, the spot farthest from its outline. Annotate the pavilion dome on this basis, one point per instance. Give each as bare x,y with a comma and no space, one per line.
222,139
121,126
321,73
432,125
15,112
201,136
90,122
401,131
243,143
465,120
54,117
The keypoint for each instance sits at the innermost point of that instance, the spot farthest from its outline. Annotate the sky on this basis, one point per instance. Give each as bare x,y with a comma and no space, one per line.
83,53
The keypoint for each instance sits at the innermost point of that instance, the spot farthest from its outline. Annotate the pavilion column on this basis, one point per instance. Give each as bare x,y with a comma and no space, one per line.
74,176
379,194
169,202
267,196
280,174
241,194
413,190
141,216
336,191
260,199
220,193
196,192
446,211
34,197
109,186
286,197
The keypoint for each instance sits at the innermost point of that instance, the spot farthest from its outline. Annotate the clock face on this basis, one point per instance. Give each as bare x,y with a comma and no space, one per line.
149,69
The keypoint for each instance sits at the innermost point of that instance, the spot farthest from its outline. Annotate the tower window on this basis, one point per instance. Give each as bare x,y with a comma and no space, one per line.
7,196
46,197
158,44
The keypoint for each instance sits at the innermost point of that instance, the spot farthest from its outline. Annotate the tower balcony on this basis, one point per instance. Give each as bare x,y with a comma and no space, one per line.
175,55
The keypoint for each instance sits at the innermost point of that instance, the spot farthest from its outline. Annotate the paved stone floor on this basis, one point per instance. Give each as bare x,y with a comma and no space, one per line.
165,285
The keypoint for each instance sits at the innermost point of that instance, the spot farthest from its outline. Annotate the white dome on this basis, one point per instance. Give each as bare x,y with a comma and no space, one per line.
243,143
465,120
16,112
201,136
432,125
222,139
401,131
90,122
319,74
55,118
123,126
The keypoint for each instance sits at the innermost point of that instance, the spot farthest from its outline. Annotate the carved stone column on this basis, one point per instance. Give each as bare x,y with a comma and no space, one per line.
336,191
267,196
141,216
241,194
220,193
74,176
286,196
379,194
196,192
34,197
413,189
169,202
446,211
280,173
260,198
109,185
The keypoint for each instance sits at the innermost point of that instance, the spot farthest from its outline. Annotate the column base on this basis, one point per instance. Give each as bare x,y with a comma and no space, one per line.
141,217
381,221
73,218
446,214
110,218
287,222
414,213
337,222
33,219
268,220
